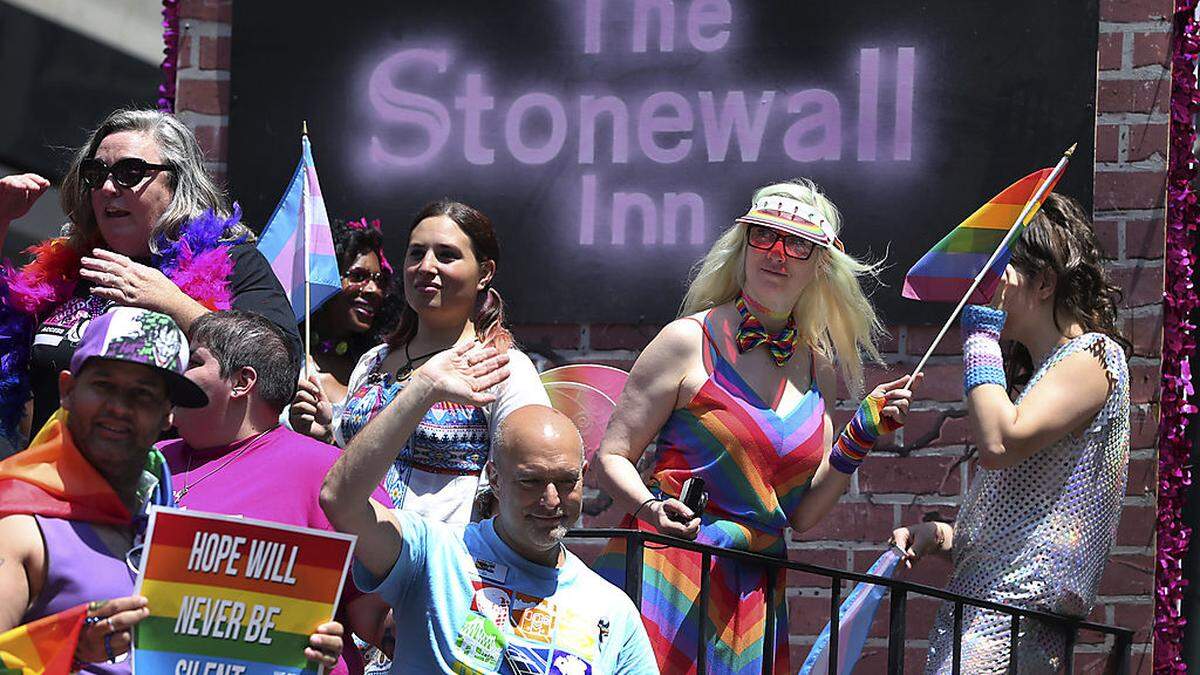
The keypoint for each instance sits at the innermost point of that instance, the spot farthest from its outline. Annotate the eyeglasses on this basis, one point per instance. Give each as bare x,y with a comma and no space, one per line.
127,172
356,276
764,238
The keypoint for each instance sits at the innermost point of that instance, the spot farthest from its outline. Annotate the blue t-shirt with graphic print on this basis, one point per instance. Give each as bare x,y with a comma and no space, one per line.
483,608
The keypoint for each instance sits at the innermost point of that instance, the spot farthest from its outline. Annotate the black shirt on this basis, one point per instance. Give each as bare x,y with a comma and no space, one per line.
253,286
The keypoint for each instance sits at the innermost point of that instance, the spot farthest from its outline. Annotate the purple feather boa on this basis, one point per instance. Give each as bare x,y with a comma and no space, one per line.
199,263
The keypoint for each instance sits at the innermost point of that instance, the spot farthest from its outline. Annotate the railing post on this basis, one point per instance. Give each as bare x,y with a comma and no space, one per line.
956,664
1120,661
1014,633
633,569
769,634
1069,647
702,644
835,623
896,631
1123,646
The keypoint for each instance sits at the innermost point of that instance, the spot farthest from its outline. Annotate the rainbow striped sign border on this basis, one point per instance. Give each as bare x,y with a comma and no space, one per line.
241,594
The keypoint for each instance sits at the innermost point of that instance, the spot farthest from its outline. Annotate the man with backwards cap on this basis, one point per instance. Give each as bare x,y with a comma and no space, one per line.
72,505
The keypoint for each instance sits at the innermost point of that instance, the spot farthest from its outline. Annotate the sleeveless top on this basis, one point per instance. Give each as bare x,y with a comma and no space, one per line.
756,463
1038,534
79,569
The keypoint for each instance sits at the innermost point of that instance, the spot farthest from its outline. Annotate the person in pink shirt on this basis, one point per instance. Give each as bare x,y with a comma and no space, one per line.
233,457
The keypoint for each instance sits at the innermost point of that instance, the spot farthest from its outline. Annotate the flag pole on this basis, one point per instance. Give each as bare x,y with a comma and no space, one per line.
1037,196
307,280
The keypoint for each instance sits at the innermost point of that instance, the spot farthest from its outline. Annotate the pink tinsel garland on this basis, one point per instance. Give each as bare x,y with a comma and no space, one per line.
170,23
1179,345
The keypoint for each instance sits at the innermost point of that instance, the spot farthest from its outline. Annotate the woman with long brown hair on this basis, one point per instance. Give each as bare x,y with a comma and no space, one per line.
1042,511
449,298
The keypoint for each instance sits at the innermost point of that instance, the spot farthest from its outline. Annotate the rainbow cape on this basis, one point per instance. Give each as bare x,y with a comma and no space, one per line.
51,478
44,647
946,272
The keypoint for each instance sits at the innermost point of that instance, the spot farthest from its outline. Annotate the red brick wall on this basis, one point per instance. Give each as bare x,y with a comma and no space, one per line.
902,486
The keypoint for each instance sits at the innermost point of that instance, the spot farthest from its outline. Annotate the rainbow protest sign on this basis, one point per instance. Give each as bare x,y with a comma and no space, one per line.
232,596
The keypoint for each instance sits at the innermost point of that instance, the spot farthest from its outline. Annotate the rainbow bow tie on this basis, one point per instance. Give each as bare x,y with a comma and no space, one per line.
751,333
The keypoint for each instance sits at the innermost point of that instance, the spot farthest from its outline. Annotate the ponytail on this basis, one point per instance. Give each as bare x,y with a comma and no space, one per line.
490,328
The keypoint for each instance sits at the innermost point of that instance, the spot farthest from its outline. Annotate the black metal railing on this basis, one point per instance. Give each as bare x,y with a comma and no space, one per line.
898,589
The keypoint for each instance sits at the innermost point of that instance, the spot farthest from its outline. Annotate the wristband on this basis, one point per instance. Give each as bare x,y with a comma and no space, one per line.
859,436
643,505
983,362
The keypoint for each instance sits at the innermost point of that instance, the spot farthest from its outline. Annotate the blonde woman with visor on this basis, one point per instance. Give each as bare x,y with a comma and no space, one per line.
737,392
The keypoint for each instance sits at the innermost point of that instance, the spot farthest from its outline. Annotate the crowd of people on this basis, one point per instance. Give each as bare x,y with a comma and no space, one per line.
151,358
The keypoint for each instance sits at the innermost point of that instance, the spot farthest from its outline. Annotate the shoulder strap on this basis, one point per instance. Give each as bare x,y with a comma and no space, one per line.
711,353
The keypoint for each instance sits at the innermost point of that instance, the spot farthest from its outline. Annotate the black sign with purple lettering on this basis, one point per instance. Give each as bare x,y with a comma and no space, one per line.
612,141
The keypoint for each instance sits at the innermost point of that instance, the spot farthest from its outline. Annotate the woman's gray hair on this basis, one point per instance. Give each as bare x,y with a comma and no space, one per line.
193,190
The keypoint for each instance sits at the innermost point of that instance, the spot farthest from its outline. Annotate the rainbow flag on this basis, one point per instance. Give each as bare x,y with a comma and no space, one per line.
946,272
301,210
44,647
234,591
51,478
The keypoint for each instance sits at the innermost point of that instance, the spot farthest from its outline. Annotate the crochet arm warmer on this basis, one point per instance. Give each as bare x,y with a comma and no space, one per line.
859,436
982,361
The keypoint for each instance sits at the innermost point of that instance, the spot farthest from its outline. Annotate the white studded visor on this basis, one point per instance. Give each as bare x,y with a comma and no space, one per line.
793,217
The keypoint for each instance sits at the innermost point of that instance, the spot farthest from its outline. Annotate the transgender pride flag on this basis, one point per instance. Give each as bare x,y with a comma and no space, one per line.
301,216
854,621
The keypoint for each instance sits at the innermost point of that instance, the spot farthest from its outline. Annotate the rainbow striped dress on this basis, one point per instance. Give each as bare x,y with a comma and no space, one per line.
757,465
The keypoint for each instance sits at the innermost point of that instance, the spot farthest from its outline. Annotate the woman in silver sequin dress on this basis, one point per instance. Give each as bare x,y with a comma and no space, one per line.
1037,523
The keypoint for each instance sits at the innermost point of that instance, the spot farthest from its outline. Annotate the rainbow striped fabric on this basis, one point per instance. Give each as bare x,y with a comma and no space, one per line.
946,272
285,582
867,425
44,647
301,211
792,216
756,464
50,478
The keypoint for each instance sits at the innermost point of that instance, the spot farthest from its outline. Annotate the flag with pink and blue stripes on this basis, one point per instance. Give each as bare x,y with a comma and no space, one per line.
301,215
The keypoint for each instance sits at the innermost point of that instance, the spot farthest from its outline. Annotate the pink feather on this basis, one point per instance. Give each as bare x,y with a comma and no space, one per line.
205,276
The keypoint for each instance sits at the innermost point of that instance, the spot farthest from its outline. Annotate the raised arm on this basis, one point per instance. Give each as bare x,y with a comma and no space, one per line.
1063,400
460,375
17,194
650,394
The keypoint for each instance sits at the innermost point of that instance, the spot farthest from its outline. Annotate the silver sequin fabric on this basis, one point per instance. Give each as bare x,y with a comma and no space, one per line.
1038,534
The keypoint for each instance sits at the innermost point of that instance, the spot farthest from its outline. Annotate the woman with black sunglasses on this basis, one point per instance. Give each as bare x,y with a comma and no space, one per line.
735,393
147,228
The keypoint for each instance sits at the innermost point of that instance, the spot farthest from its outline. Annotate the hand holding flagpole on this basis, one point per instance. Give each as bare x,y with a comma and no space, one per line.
1030,205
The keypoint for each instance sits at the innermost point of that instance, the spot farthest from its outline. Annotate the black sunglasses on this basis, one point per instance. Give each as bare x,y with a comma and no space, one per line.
127,172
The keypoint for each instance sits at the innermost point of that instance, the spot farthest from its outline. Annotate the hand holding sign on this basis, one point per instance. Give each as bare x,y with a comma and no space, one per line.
239,595
106,631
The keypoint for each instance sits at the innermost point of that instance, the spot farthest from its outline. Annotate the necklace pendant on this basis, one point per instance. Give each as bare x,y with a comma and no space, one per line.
180,493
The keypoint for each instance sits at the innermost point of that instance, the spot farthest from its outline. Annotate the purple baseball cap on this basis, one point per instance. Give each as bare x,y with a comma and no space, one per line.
147,338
